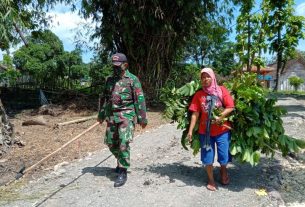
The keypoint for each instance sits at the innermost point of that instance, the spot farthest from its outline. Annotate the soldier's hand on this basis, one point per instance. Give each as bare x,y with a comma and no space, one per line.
143,125
99,120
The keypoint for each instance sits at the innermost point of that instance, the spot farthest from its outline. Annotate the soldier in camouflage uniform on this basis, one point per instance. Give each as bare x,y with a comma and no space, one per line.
122,105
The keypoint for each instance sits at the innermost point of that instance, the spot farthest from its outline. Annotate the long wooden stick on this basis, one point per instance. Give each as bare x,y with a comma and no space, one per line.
76,121
69,142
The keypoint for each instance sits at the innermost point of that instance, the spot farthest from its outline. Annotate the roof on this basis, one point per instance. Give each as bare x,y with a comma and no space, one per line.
263,70
289,63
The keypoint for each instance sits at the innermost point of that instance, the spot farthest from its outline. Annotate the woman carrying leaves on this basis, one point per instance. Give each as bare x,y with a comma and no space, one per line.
212,104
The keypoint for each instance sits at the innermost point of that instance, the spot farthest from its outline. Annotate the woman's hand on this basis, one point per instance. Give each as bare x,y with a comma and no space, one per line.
217,120
189,136
194,118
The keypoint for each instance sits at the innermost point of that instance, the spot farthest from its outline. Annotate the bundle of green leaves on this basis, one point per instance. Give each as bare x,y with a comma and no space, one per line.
257,124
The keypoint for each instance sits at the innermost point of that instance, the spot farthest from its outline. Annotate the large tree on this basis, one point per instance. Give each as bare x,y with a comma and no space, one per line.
71,66
38,59
285,29
274,26
251,34
152,33
48,65
202,49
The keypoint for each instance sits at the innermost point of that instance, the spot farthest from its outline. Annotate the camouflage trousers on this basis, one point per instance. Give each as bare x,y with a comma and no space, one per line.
118,137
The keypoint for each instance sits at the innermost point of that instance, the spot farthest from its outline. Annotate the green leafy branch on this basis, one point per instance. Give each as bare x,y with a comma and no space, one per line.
257,124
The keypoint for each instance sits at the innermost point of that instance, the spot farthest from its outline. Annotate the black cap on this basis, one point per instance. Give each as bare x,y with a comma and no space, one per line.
118,59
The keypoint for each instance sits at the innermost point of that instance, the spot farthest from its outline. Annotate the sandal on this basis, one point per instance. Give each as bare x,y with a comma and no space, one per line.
211,187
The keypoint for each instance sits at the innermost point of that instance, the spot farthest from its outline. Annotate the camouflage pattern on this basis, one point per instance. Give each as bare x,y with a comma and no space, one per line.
122,105
118,137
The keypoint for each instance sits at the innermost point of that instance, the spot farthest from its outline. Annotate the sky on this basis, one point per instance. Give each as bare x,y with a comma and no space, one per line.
300,10
65,23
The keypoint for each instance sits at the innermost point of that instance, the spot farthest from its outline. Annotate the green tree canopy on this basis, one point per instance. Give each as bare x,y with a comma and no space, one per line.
224,58
153,34
9,75
45,60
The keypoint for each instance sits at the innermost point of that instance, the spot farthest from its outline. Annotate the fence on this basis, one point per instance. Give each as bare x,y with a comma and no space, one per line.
24,98
17,98
285,86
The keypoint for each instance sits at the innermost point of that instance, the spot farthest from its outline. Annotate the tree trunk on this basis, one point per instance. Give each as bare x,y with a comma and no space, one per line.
21,35
279,56
249,44
6,131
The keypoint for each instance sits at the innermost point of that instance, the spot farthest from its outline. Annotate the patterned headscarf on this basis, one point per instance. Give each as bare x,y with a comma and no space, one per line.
213,89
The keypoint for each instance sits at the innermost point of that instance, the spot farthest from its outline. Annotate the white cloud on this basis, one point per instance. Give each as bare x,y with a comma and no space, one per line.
64,25
300,9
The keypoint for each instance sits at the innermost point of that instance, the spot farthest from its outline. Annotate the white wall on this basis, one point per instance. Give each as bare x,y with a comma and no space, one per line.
296,69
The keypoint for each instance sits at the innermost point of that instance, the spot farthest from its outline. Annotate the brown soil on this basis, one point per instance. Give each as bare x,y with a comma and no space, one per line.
41,140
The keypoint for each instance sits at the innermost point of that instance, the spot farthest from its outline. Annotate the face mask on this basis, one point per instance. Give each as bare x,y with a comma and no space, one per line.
117,71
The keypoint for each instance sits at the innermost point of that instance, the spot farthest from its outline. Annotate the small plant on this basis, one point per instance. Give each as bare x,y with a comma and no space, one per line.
296,82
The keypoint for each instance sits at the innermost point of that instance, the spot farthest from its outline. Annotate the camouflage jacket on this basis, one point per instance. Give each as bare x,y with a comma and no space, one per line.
122,99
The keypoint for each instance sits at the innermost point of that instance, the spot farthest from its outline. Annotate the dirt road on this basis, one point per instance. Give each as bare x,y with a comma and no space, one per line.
164,174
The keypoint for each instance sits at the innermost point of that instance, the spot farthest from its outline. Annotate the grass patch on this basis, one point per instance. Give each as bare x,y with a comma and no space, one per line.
11,193
294,94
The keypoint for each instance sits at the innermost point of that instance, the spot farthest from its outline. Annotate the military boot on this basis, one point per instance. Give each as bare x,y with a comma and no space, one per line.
122,178
117,169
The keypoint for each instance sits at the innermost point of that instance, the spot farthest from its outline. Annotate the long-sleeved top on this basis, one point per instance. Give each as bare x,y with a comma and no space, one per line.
123,99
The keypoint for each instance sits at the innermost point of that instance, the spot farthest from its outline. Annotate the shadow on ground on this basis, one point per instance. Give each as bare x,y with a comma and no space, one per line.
241,175
294,110
101,171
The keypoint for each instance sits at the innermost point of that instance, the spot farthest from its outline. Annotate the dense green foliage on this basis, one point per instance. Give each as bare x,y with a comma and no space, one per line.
224,58
47,64
157,34
98,71
8,76
257,124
